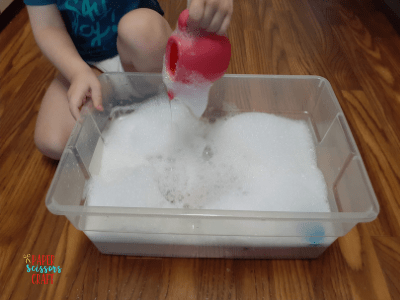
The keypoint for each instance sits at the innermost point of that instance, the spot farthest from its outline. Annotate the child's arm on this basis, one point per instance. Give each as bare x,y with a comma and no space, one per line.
56,44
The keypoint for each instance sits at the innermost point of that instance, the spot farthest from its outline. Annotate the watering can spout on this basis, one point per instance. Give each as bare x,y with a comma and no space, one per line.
171,95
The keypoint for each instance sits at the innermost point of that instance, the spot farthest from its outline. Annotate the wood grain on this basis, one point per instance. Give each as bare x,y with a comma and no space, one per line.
388,251
350,43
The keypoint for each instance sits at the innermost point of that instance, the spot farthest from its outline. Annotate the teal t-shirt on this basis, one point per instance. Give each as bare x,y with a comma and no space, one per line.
93,24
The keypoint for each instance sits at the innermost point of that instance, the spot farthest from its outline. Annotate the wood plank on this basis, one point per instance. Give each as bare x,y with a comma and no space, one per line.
376,148
364,272
388,251
375,72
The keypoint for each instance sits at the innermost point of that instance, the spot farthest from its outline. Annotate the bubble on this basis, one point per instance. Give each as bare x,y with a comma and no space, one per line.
207,153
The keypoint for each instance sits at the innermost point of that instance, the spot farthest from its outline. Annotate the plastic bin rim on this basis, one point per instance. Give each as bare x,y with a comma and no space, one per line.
57,209
141,74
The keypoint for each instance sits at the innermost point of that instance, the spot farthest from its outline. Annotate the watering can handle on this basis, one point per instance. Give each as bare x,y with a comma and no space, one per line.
182,24
183,19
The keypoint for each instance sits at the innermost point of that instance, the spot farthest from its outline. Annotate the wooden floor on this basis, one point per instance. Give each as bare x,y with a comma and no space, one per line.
348,42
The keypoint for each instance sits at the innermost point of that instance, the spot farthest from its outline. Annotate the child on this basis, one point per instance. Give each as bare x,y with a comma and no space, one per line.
81,37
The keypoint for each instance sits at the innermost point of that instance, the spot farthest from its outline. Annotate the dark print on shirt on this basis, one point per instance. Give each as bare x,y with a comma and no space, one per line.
92,19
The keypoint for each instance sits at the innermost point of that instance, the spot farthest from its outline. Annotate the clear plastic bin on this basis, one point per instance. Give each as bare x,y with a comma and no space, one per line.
220,233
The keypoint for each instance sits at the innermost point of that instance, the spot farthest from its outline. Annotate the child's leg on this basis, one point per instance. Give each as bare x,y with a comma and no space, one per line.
142,37
55,122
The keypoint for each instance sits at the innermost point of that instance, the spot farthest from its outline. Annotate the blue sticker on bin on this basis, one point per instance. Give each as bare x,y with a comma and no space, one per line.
314,233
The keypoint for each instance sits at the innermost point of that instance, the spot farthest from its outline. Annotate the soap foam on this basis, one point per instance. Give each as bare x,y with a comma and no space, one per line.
193,94
249,161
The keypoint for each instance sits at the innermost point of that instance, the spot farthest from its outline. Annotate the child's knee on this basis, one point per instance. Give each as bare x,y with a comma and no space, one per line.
144,30
49,143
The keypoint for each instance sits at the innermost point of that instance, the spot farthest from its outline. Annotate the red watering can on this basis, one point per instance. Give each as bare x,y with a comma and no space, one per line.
195,58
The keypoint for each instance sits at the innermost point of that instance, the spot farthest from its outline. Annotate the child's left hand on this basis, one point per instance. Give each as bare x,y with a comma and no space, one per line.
211,15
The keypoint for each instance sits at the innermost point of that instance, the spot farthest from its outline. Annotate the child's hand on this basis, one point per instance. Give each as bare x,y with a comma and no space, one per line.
211,15
84,84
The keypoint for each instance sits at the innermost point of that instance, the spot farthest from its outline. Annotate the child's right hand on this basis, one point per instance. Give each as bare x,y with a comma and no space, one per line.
84,84
211,15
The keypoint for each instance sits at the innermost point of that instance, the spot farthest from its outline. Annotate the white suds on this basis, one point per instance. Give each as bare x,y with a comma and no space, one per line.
250,161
